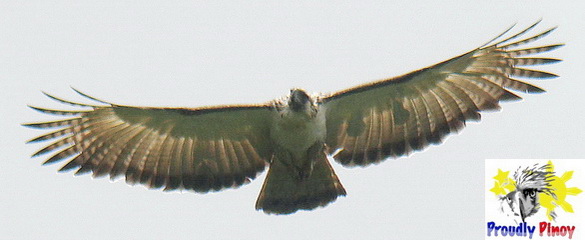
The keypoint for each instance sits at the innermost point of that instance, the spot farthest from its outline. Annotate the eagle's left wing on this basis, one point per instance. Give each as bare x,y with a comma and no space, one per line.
396,116
201,149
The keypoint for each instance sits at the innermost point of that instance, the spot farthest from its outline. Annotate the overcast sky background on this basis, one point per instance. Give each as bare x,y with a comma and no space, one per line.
196,53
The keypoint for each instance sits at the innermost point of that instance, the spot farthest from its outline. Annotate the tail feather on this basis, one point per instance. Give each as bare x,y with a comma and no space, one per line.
284,192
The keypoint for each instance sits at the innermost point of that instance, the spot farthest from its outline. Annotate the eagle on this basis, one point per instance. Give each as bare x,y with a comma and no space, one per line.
212,148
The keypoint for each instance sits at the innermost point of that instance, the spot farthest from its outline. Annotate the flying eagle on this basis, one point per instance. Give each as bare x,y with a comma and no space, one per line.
211,148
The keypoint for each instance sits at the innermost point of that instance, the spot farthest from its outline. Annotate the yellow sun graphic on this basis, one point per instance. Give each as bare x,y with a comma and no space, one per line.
504,185
560,189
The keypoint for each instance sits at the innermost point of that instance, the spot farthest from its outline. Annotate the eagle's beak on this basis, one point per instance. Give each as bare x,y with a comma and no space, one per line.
517,205
522,210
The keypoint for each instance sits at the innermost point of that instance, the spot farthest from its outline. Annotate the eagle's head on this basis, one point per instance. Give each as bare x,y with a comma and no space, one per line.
524,202
299,101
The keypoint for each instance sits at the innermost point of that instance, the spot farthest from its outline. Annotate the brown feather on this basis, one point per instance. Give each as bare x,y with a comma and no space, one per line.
439,99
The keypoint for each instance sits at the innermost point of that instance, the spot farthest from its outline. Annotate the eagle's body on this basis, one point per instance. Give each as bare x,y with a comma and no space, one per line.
300,159
211,148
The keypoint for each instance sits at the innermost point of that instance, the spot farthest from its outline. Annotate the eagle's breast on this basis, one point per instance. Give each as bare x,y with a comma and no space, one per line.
297,131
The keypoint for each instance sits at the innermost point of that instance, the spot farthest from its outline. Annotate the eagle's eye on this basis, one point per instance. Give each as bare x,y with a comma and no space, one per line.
530,192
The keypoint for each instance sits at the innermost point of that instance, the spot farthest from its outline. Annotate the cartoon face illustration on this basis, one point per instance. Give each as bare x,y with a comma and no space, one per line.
521,204
524,202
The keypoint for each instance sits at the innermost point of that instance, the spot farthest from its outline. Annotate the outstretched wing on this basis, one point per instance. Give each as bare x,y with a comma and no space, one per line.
200,149
396,116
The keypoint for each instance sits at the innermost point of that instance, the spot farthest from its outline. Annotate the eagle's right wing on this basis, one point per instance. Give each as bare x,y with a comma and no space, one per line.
396,116
200,149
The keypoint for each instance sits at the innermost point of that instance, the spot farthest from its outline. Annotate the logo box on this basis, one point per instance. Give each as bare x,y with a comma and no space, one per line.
534,199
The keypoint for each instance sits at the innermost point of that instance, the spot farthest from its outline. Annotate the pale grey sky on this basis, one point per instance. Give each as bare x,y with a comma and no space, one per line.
196,53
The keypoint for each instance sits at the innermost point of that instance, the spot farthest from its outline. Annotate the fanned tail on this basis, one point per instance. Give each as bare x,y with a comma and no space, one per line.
285,192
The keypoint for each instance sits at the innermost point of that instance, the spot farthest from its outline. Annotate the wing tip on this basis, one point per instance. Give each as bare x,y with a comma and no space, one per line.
90,97
30,125
504,43
61,100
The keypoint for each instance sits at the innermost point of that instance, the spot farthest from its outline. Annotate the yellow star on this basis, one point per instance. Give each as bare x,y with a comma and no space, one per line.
502,183
497,189
502,176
